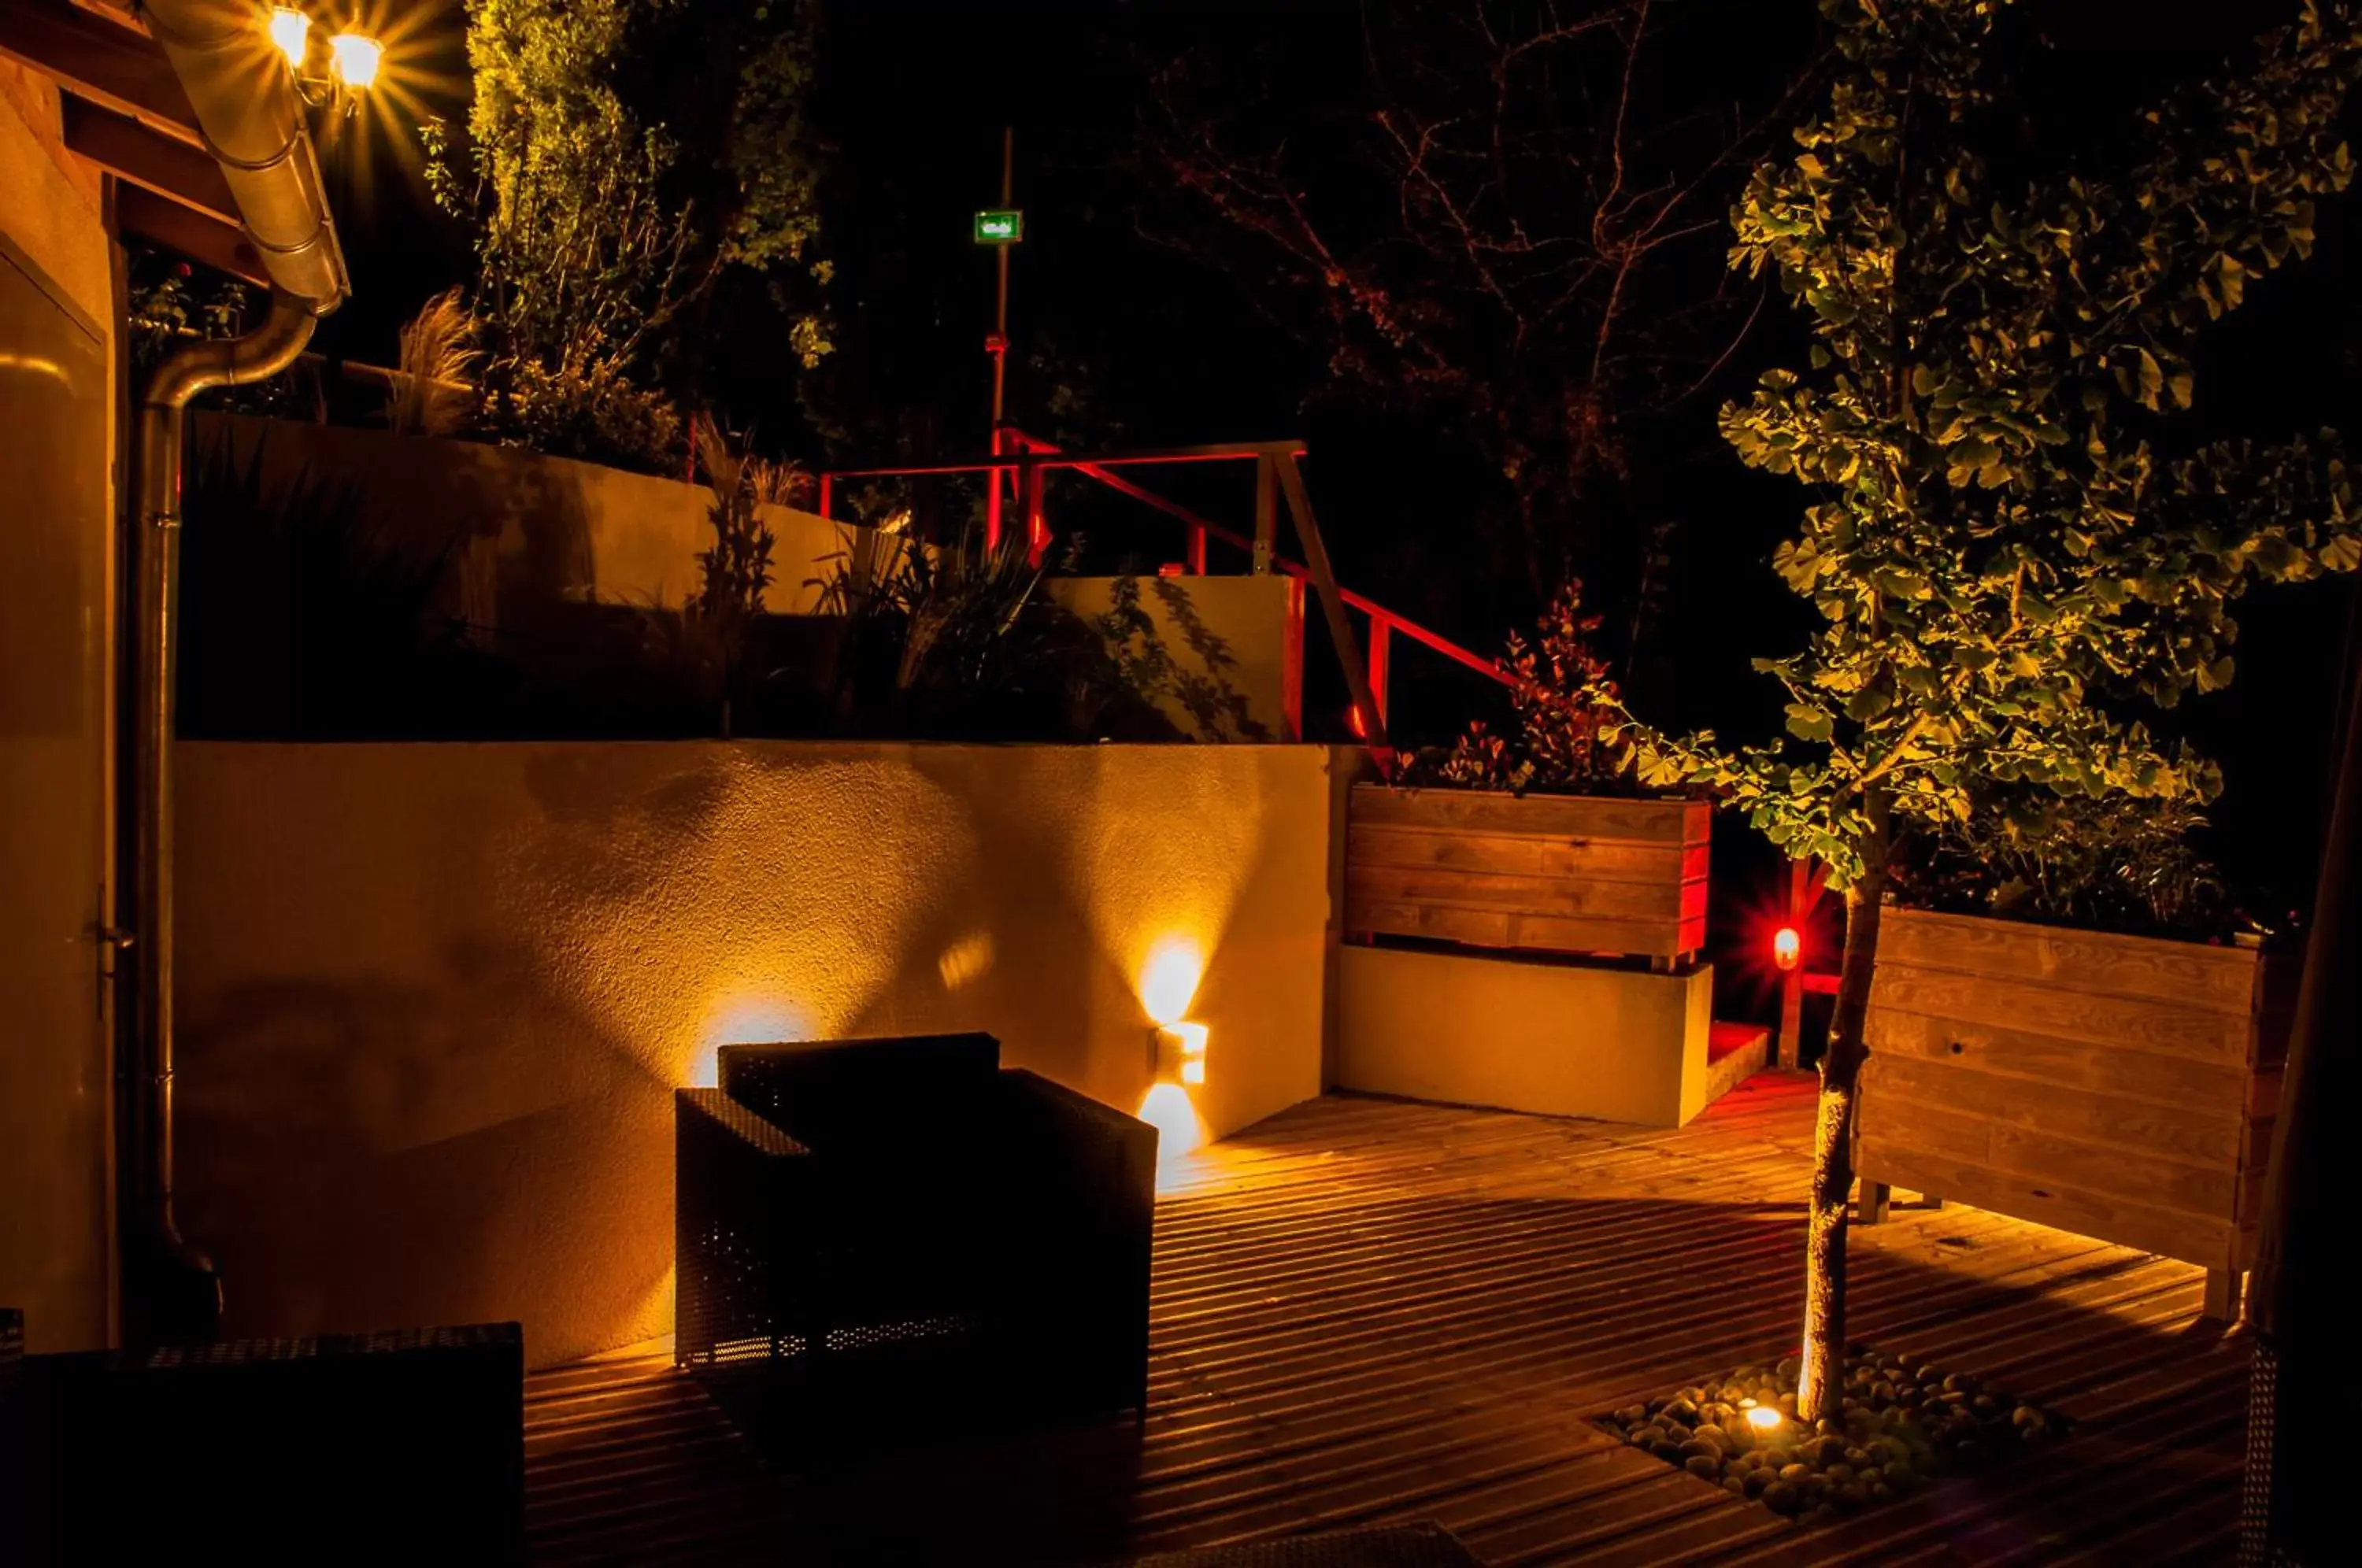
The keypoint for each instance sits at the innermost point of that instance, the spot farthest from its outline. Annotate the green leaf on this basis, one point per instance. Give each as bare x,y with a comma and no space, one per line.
1868,704
1809,724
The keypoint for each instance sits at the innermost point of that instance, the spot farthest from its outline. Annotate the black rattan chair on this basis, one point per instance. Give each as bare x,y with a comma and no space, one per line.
850,1211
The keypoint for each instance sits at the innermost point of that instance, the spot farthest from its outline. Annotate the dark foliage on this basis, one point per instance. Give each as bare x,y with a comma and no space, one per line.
300,620
2107,863
1569,716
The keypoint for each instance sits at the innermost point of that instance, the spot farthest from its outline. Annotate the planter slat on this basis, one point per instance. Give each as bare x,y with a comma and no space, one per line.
1554,873
1553,816
1972,1131
2205,1136
1494,928
1598,860
2167,1027
2018,1054
2222,977
1903,1163
1561,896
2118,1087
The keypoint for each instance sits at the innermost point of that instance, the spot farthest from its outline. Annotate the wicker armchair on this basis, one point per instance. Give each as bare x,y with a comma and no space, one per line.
849,1210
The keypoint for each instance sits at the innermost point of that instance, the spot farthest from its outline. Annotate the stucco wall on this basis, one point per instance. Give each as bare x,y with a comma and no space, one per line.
1236,646
1553,1039
534,529
57,500
434,998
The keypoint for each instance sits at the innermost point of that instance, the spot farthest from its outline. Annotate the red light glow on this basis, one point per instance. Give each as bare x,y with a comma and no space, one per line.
1787,947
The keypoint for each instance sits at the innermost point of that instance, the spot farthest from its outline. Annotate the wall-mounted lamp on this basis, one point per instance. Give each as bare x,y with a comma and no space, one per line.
291,29
1787,947
354,59
1176,1053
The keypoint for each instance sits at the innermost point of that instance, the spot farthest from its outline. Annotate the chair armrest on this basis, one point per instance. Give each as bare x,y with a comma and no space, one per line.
1081,1217
1122,1148
739,1216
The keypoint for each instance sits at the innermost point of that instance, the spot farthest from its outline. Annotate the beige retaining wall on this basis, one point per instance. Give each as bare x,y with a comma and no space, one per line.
434,998
536,527
1236,643
1515,1034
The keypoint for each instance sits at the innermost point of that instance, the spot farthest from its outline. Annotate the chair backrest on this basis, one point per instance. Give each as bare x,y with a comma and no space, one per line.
826,1091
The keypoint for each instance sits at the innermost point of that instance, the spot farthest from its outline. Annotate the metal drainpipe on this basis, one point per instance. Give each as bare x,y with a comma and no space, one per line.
180,1290
251,117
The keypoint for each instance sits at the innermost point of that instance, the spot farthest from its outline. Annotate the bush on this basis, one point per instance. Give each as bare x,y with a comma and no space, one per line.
2109,862
1571,717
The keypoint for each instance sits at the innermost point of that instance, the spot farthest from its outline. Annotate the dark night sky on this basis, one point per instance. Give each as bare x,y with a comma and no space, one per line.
914,93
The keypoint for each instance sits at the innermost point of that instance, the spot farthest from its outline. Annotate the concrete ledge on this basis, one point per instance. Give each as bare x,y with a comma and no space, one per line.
1552,1039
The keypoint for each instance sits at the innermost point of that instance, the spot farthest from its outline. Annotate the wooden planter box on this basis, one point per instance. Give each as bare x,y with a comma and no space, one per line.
2122,1087
1553,873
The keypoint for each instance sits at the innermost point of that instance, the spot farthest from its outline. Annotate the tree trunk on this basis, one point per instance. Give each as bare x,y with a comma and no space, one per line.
1823,1368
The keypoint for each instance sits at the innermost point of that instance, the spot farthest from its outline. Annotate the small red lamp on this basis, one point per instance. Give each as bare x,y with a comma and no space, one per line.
1787,947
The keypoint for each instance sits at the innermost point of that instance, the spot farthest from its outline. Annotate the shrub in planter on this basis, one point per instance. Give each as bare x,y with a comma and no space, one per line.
1540,840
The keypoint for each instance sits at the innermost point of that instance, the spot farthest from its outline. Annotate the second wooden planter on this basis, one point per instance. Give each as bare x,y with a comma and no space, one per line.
1548,873
2122,1087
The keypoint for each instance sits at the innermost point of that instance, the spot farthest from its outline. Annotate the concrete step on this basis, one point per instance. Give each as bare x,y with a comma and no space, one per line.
1734,1052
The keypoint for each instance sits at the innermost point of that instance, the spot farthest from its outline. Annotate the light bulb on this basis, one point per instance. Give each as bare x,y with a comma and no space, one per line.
356,57
291,29
1787,946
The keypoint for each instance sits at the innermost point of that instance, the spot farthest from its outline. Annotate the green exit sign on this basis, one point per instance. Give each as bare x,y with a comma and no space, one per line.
999,228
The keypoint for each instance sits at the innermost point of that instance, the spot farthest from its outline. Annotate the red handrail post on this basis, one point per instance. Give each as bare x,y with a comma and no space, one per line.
827,485
1266,534
1381,663
1195,550
992,500
1037,528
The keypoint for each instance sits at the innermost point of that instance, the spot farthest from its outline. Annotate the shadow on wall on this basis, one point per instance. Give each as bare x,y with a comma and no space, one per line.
356,1161
514,531
436,998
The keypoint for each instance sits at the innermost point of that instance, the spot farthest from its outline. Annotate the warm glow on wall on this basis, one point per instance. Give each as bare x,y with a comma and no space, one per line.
1168,1108
746,1020
1168,980
966,961
1168,984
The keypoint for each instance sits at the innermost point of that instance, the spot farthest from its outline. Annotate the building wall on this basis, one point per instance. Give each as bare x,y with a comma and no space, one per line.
434,998
57,498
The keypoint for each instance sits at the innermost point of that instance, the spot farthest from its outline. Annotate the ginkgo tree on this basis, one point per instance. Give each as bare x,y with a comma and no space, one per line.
2011,541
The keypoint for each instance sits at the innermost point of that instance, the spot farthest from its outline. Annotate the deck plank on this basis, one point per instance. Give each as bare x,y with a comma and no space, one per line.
1368,1310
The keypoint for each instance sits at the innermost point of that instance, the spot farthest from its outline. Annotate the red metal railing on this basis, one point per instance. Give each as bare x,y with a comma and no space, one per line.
1020,462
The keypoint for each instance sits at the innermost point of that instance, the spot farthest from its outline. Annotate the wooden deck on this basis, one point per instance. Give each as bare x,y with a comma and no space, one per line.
1368,1310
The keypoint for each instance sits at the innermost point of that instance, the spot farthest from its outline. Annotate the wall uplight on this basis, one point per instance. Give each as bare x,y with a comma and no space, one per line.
1179,1053
1787,947
356,57
290,30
